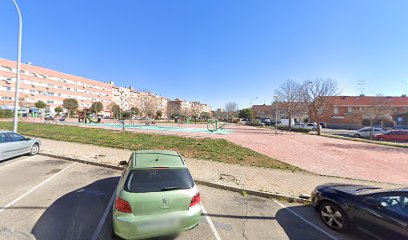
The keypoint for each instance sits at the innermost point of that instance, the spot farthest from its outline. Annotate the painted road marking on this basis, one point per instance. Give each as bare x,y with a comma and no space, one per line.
34,188
98,229
306,221
213,229
17,161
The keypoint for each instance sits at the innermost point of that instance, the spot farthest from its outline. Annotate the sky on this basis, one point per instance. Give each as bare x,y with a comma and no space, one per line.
216,51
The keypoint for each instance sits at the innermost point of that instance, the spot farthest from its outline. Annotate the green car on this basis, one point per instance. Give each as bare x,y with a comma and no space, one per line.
156,196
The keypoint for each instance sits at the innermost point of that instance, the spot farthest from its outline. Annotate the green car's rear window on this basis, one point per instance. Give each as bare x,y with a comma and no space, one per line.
156,180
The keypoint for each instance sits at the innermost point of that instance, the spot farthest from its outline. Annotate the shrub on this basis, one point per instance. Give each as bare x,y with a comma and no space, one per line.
255,122
287,128
6,113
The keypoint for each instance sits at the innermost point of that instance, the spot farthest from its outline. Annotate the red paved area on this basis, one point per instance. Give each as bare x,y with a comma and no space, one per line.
328,156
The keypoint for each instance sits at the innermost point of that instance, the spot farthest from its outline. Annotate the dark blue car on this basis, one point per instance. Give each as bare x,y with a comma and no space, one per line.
377,213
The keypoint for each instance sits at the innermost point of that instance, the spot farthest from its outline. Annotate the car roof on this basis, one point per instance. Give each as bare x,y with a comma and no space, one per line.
143,159
385,190
5,131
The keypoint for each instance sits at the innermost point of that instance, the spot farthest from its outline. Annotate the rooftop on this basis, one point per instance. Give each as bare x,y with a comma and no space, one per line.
369,101
157,159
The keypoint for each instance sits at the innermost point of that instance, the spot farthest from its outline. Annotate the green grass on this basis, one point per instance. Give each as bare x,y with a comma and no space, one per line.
208,149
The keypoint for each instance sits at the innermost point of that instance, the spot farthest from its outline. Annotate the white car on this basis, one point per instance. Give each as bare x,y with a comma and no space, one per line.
311,126
13,145
365,132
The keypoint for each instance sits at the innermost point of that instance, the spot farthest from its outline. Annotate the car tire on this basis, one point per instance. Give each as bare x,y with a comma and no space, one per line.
356,135
35,149
334,217
381,139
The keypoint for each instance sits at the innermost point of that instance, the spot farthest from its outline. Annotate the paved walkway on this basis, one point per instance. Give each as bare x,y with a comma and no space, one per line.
247,177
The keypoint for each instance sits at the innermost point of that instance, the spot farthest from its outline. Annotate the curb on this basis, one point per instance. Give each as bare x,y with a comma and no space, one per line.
199,181
82,161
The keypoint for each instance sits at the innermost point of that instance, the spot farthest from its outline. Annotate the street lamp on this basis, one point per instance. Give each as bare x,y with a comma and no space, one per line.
253,100
276,114
20,33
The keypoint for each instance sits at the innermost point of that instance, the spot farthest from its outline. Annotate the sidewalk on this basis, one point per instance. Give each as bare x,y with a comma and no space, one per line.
246,177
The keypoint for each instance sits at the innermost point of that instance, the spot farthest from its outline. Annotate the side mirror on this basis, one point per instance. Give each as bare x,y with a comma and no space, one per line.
123,163
28,139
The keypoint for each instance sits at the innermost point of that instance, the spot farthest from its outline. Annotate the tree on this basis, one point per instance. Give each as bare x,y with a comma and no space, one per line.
125,115
195,110
205,115
315,94
379,111
290,95
40,105
96,107
135,111
246,113
70,104
115,110
58,110
231,110
159,114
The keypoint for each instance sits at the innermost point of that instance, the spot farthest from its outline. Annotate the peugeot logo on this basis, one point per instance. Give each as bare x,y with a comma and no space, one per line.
164,201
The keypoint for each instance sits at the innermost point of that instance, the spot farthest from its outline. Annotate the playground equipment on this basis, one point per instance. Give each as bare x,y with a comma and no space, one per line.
85,116
212,125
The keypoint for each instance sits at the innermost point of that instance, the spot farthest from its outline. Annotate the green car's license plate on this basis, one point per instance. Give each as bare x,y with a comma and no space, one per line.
159,224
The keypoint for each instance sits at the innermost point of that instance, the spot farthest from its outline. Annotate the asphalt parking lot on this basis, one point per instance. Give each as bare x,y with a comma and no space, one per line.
45,198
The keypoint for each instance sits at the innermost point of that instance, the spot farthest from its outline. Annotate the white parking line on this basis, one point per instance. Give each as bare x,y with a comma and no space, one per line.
98,229
213,229
305,220
34,188
17,161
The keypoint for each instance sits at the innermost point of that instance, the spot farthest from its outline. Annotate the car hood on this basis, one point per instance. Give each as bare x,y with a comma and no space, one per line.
348,188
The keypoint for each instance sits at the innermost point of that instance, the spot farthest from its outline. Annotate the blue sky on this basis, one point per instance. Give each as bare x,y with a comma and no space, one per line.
216,51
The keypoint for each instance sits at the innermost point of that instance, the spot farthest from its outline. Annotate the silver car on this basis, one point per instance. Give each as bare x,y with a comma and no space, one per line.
365,132
13,144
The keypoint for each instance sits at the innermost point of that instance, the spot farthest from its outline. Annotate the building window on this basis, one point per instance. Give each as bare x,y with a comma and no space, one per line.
350,109
336,110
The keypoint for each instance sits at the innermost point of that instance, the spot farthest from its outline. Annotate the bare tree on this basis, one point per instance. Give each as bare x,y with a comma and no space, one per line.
149,105
195,110
231,109
379,111
315,94
290,95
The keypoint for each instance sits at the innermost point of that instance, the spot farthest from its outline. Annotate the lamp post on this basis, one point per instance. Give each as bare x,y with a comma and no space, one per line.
251,105
20,33
276,114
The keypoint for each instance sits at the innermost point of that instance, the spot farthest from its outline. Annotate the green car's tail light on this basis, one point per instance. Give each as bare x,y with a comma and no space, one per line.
122,205
196,200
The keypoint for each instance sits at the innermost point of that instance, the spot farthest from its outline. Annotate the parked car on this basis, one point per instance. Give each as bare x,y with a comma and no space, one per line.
392,135
298,125
285,122
401,127
379,213
13,145
323,125
311,126
156,196
365,132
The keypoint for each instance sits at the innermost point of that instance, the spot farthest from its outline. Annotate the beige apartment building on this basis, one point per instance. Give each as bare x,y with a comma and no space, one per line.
52,87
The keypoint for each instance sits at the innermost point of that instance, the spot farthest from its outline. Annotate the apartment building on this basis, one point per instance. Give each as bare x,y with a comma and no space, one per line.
178,107
52,87
268,111
355,111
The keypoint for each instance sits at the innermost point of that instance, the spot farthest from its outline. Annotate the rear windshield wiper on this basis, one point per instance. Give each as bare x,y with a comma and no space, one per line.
172,188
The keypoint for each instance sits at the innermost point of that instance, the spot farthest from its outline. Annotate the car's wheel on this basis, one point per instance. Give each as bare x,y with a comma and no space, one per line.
356,135
333,216
381,139
314,129
34,149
